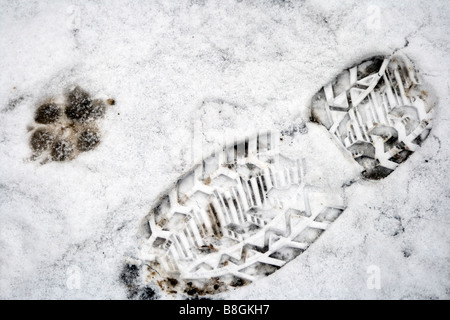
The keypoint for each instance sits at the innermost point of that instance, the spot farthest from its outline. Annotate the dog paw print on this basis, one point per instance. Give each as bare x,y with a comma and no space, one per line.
67,127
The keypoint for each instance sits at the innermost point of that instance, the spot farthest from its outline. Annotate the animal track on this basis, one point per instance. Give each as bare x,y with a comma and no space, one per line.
378,111
66,126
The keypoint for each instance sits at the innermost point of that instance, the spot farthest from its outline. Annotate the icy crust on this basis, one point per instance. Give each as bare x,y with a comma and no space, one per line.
378,110
239,216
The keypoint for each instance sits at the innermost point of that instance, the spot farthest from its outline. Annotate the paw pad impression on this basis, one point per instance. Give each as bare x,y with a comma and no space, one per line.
67,126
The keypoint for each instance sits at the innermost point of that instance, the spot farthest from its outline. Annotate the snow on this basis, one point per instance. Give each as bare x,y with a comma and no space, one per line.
171,67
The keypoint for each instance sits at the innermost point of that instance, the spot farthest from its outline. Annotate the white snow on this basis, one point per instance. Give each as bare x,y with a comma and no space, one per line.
171,65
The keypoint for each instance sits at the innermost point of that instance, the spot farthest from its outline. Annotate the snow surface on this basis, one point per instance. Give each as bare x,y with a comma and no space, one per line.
171,65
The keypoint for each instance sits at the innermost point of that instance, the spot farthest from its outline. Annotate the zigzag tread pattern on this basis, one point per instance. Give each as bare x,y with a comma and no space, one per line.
240,215
377,110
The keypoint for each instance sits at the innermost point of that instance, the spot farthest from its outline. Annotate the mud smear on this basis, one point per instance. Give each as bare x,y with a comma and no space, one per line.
130,278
